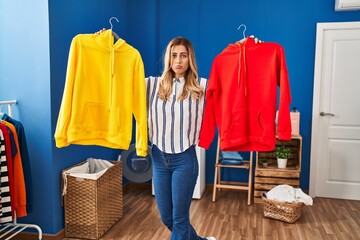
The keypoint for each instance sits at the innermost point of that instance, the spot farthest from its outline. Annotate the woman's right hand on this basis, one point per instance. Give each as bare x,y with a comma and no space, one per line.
98,32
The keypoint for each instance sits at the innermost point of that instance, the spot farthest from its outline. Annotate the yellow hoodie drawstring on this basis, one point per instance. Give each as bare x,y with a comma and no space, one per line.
112,55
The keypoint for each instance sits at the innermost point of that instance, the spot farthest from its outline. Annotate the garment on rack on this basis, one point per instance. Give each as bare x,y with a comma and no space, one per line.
19,201
5,172
24,153
241,98
104,89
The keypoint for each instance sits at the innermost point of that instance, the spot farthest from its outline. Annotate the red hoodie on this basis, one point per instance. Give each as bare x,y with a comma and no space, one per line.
241,98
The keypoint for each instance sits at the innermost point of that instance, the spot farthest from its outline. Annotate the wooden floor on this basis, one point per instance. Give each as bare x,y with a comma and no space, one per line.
231,219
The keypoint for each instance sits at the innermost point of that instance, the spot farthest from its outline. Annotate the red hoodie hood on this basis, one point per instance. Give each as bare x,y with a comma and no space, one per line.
241,47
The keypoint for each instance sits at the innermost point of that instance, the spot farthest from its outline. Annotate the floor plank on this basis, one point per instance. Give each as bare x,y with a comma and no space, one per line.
230,218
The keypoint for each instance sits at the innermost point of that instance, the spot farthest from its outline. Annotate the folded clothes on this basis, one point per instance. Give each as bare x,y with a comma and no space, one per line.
230,155
230,161
230,158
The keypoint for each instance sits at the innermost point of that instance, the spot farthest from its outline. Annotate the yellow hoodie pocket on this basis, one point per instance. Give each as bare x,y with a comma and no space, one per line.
99,117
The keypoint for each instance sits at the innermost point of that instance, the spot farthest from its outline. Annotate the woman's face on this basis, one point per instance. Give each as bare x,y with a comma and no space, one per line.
179,60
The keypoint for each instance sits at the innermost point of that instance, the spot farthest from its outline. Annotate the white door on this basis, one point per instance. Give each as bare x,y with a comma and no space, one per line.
335,143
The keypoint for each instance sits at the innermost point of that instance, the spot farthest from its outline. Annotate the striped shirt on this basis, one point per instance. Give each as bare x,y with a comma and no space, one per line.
174,125
5,200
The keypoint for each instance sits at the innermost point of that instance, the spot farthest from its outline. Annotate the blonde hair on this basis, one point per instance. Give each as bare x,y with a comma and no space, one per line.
191,76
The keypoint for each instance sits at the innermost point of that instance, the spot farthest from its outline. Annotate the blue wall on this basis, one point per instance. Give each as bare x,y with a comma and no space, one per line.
35,40
25,76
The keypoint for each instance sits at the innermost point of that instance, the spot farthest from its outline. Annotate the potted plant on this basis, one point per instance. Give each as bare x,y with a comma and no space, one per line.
264,162
282,154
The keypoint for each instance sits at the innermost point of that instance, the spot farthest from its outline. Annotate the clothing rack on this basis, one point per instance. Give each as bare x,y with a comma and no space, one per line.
14,228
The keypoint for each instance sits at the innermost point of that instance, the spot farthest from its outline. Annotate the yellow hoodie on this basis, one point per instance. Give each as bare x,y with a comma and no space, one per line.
104,89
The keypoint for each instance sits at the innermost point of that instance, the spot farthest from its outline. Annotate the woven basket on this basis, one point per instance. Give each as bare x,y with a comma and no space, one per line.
287,212
93,206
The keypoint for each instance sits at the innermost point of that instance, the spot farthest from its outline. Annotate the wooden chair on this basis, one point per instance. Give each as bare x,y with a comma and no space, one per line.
219,184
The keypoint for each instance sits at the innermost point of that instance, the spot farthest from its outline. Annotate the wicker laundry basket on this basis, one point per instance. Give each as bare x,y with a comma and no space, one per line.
287,212
93,206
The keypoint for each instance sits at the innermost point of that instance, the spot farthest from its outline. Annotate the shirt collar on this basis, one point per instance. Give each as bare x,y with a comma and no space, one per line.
179,80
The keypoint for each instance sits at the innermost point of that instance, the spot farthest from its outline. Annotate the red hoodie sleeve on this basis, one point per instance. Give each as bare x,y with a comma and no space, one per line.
284,121
208,126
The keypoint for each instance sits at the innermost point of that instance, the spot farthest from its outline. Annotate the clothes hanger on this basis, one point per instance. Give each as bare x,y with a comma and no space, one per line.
242,25
114,33
1,112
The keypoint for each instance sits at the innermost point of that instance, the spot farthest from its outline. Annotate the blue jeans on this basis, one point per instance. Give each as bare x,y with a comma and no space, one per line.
174,177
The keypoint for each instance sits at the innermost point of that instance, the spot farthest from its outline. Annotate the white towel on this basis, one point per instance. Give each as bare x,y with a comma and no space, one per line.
286,193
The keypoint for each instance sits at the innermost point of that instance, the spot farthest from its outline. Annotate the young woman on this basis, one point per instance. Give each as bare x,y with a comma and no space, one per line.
175,109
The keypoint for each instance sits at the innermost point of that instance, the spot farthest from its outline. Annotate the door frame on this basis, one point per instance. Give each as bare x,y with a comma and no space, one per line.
321,29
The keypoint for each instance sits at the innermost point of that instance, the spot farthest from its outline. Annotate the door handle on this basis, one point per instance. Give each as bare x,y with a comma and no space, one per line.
326,114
